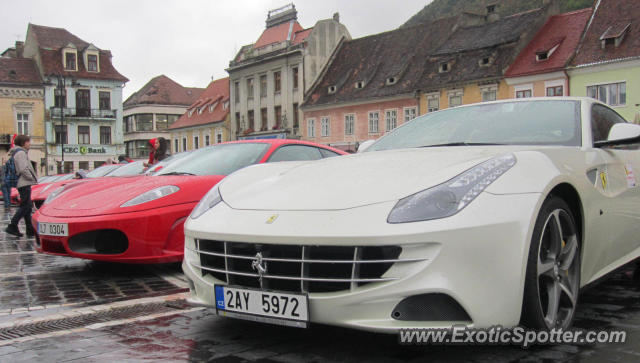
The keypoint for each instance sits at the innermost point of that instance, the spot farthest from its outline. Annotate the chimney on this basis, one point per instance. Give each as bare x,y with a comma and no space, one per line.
336,17
19,49
492,14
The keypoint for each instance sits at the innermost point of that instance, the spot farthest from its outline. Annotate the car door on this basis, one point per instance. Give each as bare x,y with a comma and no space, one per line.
620,216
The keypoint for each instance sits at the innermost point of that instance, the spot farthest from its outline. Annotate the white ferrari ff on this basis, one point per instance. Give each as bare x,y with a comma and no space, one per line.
486,214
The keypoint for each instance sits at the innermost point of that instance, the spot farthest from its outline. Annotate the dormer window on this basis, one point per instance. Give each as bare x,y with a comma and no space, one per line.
191,112
491,9
225,105
360,84
92,63
444,67
70,61
614,35
331,90
392,80
543,55
485,61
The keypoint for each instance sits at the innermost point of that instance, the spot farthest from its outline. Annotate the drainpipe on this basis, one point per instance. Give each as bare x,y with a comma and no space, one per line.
568,84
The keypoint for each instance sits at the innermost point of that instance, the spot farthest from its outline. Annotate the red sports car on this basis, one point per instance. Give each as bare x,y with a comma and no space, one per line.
140,219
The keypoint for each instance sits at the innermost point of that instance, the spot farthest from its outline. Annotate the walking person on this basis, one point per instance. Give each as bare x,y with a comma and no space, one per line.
26,178
6,191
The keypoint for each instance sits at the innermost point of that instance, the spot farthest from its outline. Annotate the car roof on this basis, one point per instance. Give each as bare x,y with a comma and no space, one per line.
279,142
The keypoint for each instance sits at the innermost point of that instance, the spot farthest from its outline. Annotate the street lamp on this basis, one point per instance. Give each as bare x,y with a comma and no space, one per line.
61,95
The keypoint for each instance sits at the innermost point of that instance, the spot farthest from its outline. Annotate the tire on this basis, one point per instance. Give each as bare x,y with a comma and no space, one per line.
552,280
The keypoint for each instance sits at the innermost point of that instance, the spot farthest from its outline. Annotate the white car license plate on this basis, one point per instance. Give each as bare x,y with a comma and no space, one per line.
53,229
262,306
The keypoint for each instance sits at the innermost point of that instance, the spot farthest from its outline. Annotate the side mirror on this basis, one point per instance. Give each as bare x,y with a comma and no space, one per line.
365,145
621,134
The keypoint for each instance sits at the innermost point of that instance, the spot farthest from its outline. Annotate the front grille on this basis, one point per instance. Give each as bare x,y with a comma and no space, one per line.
297,268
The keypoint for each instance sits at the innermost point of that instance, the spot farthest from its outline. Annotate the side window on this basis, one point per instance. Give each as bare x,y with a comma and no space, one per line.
602,119
328,153
295,153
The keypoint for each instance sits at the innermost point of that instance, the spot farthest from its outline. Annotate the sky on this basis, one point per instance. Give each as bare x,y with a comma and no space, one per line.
190,41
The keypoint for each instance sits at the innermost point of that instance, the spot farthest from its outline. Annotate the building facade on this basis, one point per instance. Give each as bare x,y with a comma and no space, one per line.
607,62
152,110
539,70
22,106
82,96
206,121
268,79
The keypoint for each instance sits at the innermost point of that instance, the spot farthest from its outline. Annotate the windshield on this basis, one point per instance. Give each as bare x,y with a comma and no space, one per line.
543,122
102,170
221,159
133,168
155,167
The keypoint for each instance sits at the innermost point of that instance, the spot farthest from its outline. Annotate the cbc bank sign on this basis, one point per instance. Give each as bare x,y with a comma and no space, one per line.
85,150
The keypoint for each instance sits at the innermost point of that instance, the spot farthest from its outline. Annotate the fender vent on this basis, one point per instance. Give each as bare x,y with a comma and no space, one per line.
430,307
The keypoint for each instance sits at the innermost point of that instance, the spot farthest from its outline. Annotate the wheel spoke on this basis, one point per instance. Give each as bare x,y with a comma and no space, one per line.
546,267
556,233
568,291
568,253
553,291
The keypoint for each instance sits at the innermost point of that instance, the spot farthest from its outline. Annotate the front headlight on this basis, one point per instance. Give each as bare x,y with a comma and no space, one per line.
452,196
153,194
209,201
53,195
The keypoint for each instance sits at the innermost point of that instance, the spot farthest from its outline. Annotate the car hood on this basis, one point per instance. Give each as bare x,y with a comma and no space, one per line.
105,196
350,181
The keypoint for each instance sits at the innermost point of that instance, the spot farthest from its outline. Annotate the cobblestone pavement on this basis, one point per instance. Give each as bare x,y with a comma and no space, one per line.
175,332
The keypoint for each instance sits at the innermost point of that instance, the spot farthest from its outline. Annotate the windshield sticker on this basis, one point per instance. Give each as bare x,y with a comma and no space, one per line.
631,178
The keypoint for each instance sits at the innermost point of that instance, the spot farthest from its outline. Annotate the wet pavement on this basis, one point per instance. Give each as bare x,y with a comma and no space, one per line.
96,304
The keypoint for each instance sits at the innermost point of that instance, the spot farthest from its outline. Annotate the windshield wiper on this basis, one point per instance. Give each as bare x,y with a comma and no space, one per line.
462,143
177,173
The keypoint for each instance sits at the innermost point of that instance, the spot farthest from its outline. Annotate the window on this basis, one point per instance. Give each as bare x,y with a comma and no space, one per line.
540,56
251,120
554,91
276,81
92,63
105,100
485,62
409,114
60,100
263,85
68,167
83,102
196,142
218,136
332,89
295,153
250,88
324,126
455,99
349,123
144,122
391,81
105,135
176,145
311,127
263,119
83,135
525,93
97,164
238,121
278,114
162,121
359,84
488,94
613,94
602,119
207,140
23,123
391,118
184,144
61,134
444,67
295,77
236,91
70,61
296,120
327,153
433,103
84,165
373,122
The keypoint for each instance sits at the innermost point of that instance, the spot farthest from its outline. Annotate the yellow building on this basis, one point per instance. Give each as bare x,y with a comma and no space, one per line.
463,94
22,107
206,121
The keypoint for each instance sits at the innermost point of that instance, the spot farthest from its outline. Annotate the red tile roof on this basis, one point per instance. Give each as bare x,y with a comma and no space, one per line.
278,33
611,16
50,42
563,30
19,71
216,91
300,36
162,90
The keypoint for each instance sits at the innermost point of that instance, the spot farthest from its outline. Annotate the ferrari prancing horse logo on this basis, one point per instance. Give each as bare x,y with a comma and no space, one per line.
272,219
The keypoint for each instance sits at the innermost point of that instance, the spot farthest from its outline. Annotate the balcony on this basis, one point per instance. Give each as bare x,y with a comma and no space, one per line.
92,113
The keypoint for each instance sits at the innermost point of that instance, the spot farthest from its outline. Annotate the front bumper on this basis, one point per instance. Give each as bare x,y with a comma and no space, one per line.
153,236
477,257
